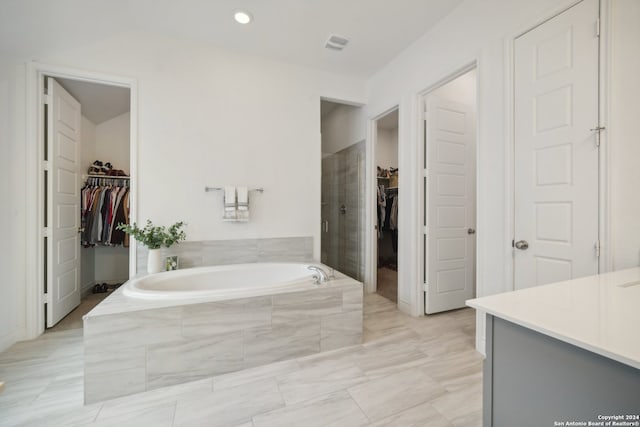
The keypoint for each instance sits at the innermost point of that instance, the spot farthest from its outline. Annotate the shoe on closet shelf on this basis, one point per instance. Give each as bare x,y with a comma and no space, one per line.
116,172
96,168
107,168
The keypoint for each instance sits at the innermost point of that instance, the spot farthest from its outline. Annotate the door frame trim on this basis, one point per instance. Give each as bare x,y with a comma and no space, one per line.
604,67
35,74
371,273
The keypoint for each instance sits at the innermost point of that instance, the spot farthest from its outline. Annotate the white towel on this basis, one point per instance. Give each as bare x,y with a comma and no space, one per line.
230,204
243,204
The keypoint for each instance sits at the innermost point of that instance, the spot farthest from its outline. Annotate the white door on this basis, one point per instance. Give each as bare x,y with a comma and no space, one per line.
450,204
556,152
63,243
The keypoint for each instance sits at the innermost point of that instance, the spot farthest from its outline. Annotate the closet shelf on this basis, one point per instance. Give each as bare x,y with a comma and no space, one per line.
107,176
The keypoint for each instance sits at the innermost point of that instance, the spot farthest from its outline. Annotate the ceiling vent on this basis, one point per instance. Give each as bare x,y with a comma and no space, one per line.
335,42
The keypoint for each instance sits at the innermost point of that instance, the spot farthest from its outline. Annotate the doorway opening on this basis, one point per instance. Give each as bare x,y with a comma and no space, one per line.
342,243
387,204
449,191
86,151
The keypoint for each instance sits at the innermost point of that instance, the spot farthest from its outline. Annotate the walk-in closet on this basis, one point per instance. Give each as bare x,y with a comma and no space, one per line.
87,141
387,205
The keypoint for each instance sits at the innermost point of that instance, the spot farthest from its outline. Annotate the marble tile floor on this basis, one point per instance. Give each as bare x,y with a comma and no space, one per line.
387,283
408,372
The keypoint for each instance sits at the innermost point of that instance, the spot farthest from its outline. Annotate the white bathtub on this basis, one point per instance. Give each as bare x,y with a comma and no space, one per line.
223,282
181,326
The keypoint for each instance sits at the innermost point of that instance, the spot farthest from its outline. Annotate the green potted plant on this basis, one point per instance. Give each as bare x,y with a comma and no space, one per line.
155,237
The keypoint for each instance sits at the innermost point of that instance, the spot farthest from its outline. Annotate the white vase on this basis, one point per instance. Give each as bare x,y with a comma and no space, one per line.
154,263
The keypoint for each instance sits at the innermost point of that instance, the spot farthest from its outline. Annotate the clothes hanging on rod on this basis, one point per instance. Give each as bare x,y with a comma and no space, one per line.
391,216
382,209
104,204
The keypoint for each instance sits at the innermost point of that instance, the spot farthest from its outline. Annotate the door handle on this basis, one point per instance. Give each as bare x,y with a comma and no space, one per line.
471,231
523,245
80,229
343,209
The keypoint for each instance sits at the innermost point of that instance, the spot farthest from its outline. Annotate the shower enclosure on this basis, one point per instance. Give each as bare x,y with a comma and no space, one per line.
343,213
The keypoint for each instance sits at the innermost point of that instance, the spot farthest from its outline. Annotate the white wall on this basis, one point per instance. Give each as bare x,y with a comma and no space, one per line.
12,317
341,127
387,148
473,31
206,117
112,142
624,135
7,291
111,264
478,31
210,117
88,145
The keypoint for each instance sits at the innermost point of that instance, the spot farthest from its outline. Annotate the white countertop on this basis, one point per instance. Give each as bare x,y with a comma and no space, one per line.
598,313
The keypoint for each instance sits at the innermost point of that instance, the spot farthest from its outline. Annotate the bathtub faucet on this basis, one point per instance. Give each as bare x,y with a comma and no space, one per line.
321,276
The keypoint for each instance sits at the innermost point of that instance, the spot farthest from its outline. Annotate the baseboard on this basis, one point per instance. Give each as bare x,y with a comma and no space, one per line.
7,341
86,289
481,346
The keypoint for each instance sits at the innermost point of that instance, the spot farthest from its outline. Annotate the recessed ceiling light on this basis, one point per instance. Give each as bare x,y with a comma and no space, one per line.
242,17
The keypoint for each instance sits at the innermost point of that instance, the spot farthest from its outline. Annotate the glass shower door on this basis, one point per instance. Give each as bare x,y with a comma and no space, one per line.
343,211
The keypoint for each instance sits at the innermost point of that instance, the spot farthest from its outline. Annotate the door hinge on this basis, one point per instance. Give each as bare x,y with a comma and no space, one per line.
513,243
598,27
45,165
46,298
45,232
597,248
46,99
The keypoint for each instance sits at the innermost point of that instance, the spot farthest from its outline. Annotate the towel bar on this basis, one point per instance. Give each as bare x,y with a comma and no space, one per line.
207,189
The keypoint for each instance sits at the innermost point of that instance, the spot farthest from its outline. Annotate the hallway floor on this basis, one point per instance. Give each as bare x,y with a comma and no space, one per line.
408,372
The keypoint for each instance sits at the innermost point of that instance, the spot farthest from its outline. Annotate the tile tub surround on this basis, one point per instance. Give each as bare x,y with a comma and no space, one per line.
139,349
223,252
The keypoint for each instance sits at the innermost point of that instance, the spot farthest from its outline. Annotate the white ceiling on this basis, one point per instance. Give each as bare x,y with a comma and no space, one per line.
289,30
99,103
